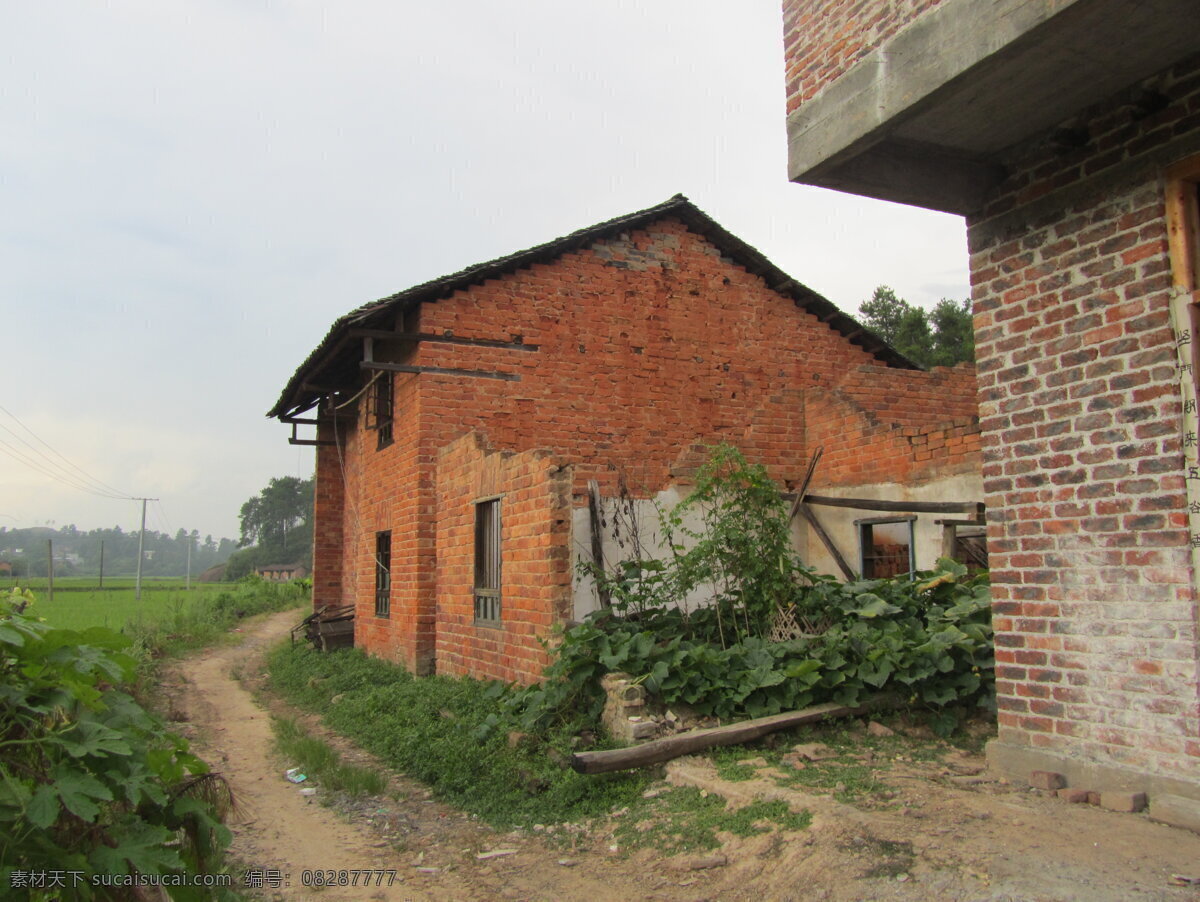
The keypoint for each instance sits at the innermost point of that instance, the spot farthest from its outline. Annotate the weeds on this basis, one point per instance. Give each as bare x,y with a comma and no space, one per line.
443,732
687,820
320,761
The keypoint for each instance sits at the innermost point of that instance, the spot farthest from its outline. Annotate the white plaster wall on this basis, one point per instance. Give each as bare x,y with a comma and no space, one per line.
653,542
839,521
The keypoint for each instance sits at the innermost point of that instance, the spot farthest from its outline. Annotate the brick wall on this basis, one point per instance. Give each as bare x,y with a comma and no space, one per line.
328,533
887,426
535,514
1080,409
822,40
649,344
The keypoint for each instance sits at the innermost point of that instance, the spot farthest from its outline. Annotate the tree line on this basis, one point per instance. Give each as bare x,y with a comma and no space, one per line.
78,553
942,336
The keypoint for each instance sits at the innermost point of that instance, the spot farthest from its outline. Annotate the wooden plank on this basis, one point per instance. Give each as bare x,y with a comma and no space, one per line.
811,517
812,467
906,507
438,370
660,750
443,339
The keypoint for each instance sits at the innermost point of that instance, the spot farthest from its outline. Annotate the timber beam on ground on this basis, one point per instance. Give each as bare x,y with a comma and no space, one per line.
659,750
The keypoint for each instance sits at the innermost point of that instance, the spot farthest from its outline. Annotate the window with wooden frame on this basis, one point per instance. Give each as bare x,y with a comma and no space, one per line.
383,573
381,410
887,546
487,561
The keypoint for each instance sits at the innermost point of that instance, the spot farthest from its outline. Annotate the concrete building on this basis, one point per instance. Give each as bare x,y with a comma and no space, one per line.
1067,132
474,432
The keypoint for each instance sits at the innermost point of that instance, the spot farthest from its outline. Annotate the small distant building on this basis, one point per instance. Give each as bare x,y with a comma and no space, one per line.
282,573
6,568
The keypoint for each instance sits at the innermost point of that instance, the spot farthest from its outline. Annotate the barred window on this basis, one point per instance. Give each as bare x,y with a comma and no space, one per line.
487,561
383,573
381,410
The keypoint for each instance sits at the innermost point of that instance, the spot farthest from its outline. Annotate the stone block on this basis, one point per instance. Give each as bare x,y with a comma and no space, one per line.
1177,811
1127,802
1074,796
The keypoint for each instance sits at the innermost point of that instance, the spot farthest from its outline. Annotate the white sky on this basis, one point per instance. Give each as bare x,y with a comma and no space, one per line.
191,192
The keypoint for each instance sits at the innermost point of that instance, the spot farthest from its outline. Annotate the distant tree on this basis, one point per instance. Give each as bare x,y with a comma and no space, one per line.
276,527
942,337
279,509
883,312
953,332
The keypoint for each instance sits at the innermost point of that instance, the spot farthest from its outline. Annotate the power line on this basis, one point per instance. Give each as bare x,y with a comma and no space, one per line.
84,478
56,475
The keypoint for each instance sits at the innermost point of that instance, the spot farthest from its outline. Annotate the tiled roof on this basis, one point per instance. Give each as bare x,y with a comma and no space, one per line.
297,396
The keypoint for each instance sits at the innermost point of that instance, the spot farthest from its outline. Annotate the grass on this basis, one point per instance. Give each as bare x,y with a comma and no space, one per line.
166,623
40,584
115,608
687,820
452,734
319,761
445,732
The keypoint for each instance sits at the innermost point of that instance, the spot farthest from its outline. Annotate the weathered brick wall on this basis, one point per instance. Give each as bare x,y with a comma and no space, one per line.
1080,409
822,39
328,508
648,345
535,517
389,489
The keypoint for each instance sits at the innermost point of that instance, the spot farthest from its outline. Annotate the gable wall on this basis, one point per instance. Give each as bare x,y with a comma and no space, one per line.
649,346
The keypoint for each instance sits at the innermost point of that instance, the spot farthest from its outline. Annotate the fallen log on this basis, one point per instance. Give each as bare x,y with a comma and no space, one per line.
660,750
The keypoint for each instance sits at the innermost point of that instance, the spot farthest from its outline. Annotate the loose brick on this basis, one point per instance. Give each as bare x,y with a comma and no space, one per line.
1128,802
1047,780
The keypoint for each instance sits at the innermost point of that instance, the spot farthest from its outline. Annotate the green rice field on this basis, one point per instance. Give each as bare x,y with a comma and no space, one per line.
79,604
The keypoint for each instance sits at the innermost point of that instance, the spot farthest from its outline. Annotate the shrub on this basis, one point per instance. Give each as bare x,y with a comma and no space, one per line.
90,783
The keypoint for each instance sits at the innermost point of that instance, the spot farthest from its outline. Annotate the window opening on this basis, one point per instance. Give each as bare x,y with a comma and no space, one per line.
886,546
383,573
487,561
381,410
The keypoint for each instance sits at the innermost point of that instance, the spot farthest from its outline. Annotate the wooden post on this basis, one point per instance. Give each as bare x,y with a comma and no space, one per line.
809,515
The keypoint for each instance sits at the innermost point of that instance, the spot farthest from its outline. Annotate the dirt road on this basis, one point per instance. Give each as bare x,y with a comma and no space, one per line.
939,836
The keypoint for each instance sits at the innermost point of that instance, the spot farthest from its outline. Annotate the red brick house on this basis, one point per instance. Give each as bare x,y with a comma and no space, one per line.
466,428
1068,135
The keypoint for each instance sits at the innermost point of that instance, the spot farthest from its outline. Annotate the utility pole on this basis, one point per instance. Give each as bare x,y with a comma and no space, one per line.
188,581
50,567
101,563
137,589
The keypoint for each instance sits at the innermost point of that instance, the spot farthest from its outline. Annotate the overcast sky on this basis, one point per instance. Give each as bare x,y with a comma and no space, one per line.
191,192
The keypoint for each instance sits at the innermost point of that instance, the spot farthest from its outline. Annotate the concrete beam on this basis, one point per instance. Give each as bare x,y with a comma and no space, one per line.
970,79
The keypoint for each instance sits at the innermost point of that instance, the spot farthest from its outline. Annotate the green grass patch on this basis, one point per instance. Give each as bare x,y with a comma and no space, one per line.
686,820
115,608
321,762
446,732
168,622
